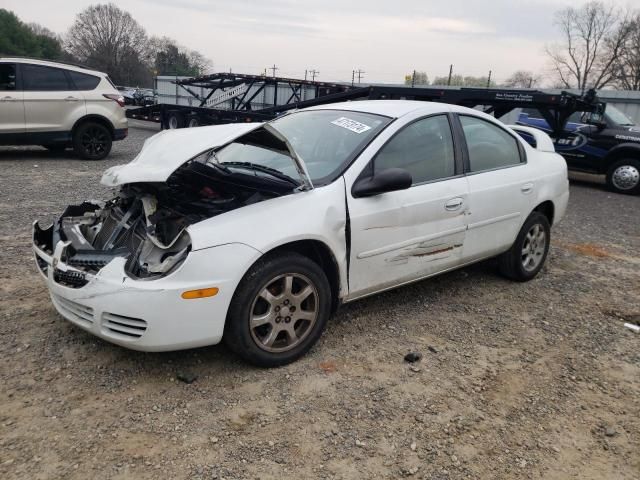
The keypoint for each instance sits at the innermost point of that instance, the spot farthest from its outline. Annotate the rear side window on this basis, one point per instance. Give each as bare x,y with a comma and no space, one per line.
83,81
39,78
489,146
7,76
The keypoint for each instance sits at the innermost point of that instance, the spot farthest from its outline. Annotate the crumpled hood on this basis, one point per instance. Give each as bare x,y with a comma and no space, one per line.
162,154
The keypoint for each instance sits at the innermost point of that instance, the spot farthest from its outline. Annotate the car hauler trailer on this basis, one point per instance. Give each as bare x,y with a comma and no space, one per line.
230,98
598,143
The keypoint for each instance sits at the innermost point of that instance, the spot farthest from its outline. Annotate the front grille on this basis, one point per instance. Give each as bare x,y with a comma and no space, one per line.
70,278
79,313
129,327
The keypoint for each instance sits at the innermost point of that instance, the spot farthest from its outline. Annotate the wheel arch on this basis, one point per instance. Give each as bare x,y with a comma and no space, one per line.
624,150
548,209
320,253
97,119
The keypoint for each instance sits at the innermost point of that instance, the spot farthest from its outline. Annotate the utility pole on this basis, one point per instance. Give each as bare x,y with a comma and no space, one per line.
489,79
305,75
273,69
450,74
353,77
413,79
314,73
360,74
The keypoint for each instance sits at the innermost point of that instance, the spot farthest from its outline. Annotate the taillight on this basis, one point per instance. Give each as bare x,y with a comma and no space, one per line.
119,99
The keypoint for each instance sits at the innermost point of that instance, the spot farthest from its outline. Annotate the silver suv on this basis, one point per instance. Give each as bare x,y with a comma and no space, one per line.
58,106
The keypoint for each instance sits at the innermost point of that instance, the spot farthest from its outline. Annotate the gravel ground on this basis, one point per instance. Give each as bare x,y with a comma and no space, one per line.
536,380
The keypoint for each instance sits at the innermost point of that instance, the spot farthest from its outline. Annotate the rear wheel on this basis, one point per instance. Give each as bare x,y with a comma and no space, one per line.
92,141
193,122
527,255
175,120
279,310
624,176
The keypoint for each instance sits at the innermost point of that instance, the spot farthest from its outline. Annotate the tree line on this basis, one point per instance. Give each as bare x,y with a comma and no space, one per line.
599,47
106,38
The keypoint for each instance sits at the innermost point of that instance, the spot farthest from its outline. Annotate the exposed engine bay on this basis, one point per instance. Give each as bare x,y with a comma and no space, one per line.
146,222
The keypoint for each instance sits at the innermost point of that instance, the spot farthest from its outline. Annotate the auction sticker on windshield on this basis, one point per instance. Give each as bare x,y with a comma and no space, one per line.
352,125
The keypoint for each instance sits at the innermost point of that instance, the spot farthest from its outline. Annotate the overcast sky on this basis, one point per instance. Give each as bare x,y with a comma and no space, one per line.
385,38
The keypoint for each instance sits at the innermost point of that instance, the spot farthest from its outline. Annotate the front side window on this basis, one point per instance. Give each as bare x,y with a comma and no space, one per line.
489,146
423,148
7,76
39,78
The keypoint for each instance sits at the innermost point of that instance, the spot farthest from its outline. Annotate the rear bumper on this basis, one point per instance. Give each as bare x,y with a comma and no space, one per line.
120,133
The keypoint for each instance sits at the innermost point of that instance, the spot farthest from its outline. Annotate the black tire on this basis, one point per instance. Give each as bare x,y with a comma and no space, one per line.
175,120
92,141
245,340
193,122
512,262
624,176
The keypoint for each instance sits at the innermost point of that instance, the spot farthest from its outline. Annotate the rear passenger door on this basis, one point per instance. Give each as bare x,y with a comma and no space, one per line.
500,188
11,101
50,102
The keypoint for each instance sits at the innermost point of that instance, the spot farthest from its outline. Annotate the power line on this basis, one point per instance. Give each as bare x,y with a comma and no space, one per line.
273,69
358,72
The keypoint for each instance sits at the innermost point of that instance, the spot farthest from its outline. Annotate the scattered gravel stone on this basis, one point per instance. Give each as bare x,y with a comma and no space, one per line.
412,357
186,377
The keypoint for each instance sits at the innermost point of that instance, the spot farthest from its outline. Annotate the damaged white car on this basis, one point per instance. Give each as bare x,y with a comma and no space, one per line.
255,233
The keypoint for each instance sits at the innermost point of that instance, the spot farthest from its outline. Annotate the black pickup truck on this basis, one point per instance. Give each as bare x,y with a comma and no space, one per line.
605,143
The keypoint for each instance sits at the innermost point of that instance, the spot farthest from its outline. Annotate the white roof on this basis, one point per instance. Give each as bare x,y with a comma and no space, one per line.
51,63
395,108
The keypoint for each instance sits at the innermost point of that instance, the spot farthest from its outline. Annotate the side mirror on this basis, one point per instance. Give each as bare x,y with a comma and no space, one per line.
389,180
596,119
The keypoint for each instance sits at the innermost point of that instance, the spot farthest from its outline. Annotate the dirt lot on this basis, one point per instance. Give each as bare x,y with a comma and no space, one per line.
537,380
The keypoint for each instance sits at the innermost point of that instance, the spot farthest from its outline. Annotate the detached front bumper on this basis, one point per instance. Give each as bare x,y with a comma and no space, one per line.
147,315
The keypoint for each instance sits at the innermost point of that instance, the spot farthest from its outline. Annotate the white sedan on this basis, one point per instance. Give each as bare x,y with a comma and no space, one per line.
255,233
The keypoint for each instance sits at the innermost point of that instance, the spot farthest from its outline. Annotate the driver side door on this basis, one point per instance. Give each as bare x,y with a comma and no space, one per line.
405,235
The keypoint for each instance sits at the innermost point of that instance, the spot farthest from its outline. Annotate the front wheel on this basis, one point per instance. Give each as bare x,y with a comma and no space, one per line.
624,177
92,141
527,255
278,311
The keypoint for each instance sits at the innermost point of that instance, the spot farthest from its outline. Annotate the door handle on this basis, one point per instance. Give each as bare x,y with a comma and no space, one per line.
453,204
71,99
527,188
6,99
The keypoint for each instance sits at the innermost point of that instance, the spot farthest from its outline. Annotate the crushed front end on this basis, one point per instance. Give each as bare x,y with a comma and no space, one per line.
120,267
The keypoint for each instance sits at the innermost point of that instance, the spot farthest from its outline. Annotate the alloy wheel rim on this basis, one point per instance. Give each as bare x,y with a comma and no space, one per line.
533,248
626,177
94,141
284,312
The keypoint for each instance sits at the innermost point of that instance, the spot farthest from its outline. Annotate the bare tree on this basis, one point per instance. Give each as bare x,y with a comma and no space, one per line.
416,78
627,66
107,38
522,79
594,36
